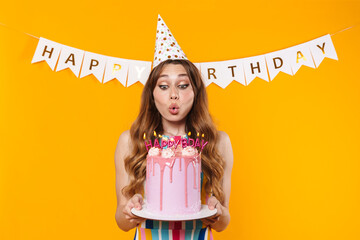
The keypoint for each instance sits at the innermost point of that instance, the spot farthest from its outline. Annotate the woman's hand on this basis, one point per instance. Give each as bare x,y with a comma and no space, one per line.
212,204
135,202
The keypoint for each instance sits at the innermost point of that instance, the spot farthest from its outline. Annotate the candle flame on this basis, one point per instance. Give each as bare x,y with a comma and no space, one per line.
189,133
144,136
197,134
154,133
203,135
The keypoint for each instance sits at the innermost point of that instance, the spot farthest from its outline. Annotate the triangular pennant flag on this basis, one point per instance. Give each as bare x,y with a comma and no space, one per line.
232,70
207,73
47,50
278,62
198,66
116,68
223,73
93,64
255,67
70,58
322,47
138,72
300,55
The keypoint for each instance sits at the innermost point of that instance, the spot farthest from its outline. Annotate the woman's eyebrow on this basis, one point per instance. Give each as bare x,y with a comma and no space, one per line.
183,75
180,75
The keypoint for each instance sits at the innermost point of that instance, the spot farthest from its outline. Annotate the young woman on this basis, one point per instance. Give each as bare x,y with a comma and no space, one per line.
173,103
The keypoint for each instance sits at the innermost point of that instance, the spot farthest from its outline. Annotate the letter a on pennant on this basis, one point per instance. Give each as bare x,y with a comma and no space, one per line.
47,50
300,55
70,58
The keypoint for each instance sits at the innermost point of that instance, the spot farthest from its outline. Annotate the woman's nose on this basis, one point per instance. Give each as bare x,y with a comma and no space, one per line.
174,94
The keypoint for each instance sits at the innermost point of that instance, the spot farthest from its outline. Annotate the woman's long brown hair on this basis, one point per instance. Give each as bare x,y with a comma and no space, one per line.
197,121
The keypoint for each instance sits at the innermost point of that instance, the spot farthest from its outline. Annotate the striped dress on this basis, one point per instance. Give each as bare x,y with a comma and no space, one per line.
175,230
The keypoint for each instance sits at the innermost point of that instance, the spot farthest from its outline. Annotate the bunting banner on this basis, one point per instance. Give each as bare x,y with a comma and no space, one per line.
222,73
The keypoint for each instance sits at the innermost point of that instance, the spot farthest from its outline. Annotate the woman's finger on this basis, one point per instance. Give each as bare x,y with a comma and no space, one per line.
127,211
137,201
130,205
208,222
140,199
218,208
212,202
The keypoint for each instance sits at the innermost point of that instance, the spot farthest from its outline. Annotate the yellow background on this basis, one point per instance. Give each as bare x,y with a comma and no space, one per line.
295,139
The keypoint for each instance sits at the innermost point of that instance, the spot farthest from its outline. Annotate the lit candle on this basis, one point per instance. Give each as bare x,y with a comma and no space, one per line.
202,143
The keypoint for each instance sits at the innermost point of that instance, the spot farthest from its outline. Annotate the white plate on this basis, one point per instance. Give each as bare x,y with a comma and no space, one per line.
204,212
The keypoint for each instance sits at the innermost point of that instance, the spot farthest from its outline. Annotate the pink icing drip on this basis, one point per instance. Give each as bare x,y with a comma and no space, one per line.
193,162
199,173
170,162
162,163
189,160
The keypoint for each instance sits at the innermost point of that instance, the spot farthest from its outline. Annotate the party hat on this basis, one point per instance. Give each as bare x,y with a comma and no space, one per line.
166,46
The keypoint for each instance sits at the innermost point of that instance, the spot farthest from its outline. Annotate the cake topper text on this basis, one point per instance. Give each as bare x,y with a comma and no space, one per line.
175,143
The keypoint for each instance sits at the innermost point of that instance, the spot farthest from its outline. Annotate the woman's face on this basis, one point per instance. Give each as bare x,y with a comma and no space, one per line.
173,93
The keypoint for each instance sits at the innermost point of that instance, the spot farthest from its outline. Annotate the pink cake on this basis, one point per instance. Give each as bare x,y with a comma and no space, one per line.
173,181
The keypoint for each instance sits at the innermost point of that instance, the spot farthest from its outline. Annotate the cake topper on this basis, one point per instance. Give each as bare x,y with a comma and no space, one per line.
172,142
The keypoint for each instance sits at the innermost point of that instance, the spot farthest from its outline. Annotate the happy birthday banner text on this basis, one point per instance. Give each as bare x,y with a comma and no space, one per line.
243,70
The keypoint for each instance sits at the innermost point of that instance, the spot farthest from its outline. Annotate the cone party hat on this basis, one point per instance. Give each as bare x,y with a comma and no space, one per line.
166,46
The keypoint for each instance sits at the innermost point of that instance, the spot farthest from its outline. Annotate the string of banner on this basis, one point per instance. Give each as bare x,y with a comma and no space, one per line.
222,73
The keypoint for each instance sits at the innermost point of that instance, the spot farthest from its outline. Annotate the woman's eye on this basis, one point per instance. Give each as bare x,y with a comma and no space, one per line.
163,87
183,86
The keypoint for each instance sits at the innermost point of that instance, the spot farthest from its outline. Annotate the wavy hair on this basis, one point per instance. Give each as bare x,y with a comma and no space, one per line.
198,120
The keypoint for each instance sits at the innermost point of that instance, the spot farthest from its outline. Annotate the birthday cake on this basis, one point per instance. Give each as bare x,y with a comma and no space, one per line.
173,176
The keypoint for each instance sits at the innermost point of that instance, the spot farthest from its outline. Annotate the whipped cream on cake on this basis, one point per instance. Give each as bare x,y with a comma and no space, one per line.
154,151
167,153
189,151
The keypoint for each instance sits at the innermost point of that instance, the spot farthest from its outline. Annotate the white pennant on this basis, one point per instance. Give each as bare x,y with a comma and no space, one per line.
223,73
207,72
70,58
138,72
322,47
232,70
47,50
278,61
198,66
93,64
255,67
116,68
300,55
